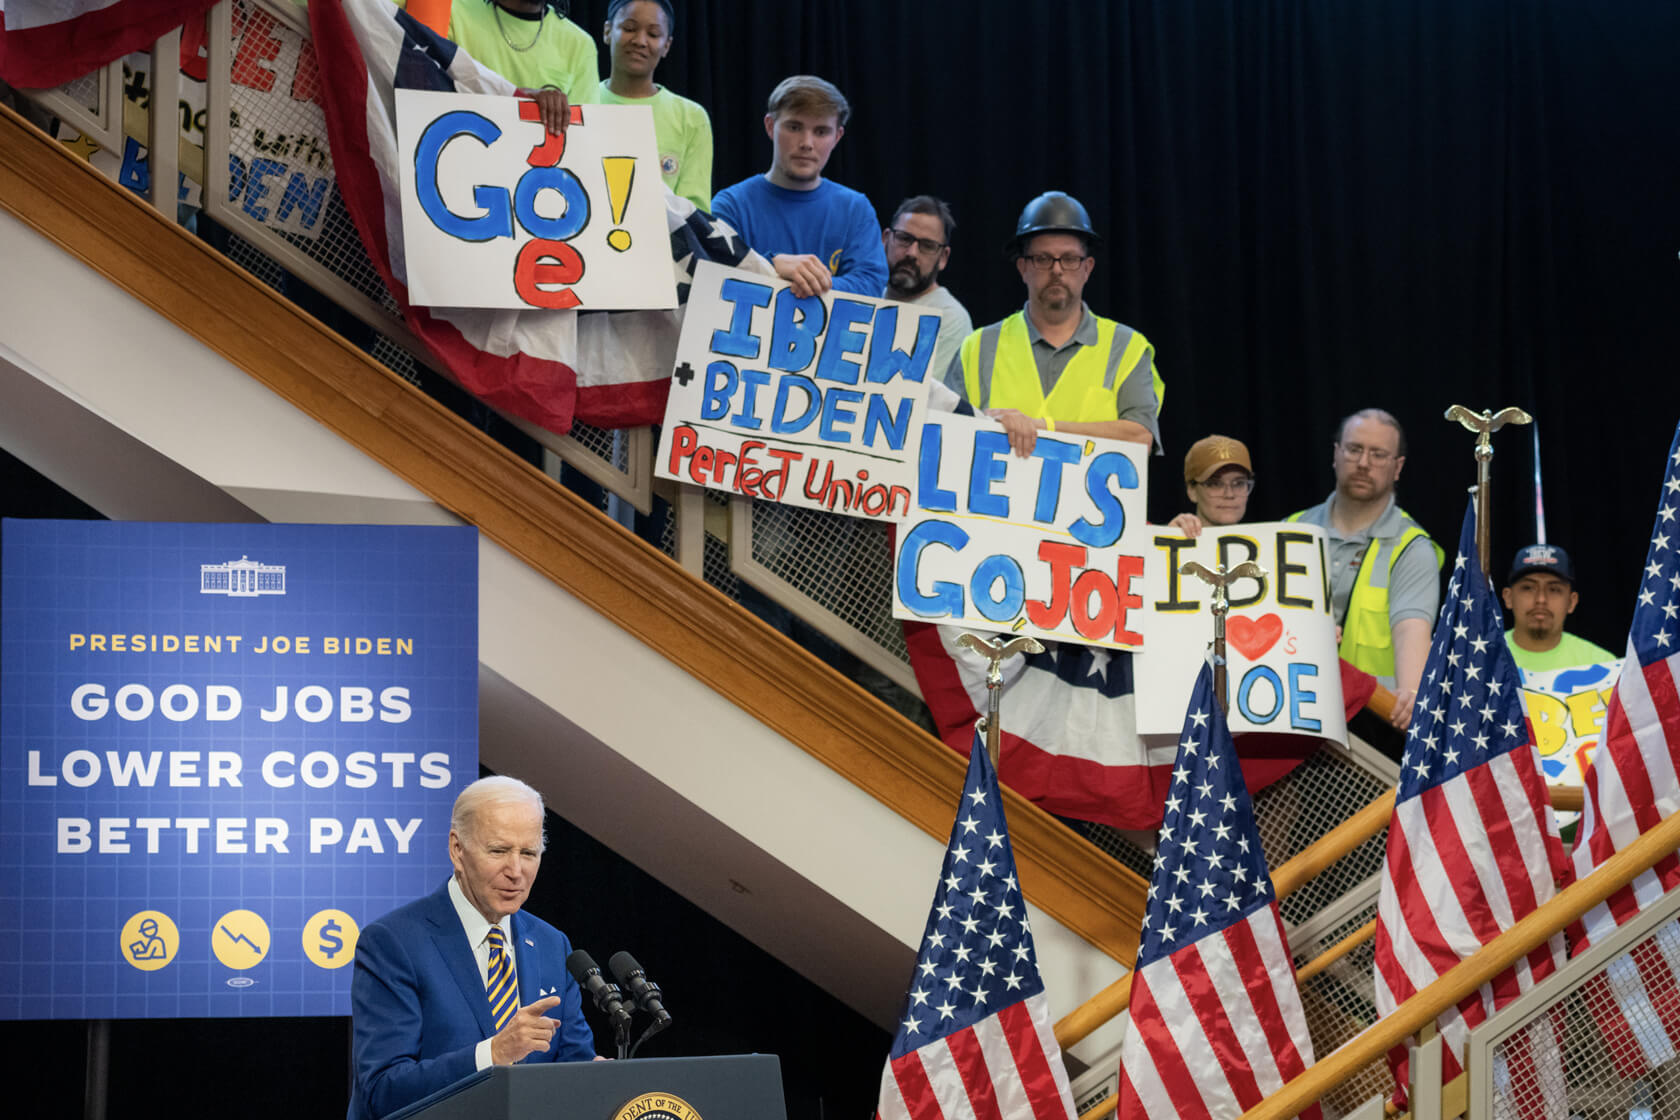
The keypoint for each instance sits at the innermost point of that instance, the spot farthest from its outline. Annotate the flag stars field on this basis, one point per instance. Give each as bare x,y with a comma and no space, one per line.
1213,1028
976,1026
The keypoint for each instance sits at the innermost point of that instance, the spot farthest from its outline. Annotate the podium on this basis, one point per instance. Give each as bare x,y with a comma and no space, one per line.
733,1087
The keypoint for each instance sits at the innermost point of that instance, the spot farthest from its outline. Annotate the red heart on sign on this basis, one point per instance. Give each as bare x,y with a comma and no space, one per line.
1252,637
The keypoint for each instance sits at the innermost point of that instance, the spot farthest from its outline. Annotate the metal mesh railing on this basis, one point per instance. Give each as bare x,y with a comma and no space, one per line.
253,260
281,164
1314,798
1339,1002
1606,1048
84,91
599,442
844,564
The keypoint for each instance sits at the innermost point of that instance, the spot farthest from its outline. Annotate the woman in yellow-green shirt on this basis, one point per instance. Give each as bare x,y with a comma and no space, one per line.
638,33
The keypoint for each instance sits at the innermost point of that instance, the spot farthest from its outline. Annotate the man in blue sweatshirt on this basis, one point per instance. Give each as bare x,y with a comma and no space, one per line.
818,234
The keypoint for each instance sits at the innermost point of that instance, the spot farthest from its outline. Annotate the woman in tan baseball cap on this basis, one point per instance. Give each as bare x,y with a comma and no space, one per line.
1218,478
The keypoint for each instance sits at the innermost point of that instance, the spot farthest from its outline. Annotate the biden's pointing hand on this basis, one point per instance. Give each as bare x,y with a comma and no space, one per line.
526,1033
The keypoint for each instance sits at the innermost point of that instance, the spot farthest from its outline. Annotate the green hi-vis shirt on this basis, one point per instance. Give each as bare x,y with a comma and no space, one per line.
1567,654
531,53
685,140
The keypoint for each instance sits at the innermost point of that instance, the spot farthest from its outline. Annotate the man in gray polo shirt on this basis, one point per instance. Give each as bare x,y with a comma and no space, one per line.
1054,365
1385,583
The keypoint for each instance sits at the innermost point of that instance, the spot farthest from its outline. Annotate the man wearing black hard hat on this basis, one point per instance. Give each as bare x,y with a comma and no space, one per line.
1055,365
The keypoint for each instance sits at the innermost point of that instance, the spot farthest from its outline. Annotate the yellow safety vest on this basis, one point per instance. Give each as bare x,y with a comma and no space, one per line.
1367,635
999,372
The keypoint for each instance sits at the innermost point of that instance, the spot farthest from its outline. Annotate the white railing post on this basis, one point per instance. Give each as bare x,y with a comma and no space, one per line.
163,138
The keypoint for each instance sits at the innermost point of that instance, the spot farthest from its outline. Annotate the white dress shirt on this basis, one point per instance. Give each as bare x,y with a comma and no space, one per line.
478,936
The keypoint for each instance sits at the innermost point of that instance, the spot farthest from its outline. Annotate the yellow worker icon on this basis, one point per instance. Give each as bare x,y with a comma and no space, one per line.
240,939
329,938
149,940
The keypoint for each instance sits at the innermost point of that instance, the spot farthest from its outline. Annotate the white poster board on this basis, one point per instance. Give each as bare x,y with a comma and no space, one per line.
1052,545
498,213
1566,708
1280,634
811,402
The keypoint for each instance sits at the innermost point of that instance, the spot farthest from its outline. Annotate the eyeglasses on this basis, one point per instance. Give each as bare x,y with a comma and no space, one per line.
905,240
1376,456
1044,261
1231,486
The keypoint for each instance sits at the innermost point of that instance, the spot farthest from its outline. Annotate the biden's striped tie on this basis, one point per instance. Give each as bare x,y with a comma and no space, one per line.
498,982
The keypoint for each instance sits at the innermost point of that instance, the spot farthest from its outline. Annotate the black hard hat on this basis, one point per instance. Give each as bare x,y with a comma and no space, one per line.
1051,212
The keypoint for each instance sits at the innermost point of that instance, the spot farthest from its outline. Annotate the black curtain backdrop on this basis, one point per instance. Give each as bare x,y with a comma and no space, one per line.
1309,207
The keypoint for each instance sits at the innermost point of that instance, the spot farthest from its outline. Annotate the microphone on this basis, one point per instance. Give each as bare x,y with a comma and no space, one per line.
646,993
607,995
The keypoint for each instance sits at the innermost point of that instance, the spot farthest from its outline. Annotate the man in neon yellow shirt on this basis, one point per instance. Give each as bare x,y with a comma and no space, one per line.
638,34
527,43
1540,594
1385,585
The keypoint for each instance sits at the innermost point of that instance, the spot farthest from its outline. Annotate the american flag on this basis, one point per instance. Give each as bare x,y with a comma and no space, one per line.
1472,846
45,43
975,1039
1072,745
1216,1019
1631,784
610,369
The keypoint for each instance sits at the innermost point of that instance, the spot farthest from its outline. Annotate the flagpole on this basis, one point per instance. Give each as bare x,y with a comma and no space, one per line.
994,650
1221,581
1484,424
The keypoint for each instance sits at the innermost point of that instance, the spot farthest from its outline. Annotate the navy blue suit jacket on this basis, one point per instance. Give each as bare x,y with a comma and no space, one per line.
419,1007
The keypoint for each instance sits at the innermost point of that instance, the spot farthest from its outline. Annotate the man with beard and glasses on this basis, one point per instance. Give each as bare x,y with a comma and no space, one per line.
1055,366
1385,583
918,246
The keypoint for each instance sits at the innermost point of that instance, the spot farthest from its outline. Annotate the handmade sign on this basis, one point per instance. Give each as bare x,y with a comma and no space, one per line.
1566,708
1051,545
1280,634
497,212
812,402
279,164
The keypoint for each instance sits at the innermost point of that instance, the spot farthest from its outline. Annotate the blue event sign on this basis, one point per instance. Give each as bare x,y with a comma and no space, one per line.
224,749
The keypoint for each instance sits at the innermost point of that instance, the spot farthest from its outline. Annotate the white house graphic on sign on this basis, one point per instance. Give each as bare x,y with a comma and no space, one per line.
243,577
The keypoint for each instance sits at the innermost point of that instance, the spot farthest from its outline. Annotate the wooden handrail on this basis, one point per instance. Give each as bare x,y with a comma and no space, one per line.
1333,845
1450,988
1567,799
1082,1021
1381,702
1470,974
560,536
1336,952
